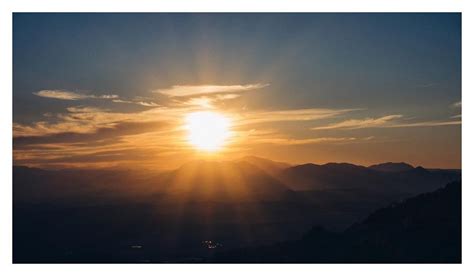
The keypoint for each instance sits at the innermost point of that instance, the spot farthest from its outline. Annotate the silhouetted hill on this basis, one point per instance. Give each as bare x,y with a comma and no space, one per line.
198,180
33,185
328,176
425,228
310,177
392,167
271,167
223,181
97,215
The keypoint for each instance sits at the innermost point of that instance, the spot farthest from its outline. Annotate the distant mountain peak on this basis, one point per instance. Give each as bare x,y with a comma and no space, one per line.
271,167
392,167
343,165
224,181
261,159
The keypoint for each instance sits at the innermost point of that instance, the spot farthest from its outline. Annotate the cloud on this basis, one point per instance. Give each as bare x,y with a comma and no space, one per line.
363,123
456,104
70,135
82,119
137,102
192,90
275,137
306,141
206,102
194,95
43,128
73,138
73,96
389,121
306,114
426,124
227,96
85,109
61,95
69,95
105,97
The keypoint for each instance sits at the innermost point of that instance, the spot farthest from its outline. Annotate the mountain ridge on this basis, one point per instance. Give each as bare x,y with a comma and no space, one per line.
250,169
392,167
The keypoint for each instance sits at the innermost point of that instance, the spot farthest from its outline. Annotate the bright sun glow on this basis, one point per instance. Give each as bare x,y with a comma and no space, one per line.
207,130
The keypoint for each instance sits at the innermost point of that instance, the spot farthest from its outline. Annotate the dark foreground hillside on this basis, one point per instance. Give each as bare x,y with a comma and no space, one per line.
421,229
203,208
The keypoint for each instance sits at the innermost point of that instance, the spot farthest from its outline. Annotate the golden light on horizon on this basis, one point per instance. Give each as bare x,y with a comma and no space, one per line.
207,131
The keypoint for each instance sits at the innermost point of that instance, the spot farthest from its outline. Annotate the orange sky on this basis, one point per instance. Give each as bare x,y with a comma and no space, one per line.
157,137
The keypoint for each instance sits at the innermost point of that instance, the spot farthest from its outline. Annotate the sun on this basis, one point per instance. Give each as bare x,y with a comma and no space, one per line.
207,131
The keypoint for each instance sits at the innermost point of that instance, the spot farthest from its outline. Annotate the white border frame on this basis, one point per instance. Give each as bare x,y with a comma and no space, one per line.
9,6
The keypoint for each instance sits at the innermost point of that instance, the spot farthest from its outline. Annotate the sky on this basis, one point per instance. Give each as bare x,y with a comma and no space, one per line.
114,90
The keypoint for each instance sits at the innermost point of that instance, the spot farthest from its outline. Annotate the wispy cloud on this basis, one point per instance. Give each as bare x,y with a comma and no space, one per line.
306,141
456,104
361,123
206,101
74,96
275,137
70,95
80,136
307,114
86,119
192,90
82,119
389,121
137,102
90,137
426,124
85,109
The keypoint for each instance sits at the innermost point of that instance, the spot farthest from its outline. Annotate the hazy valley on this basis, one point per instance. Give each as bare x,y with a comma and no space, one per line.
201,209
